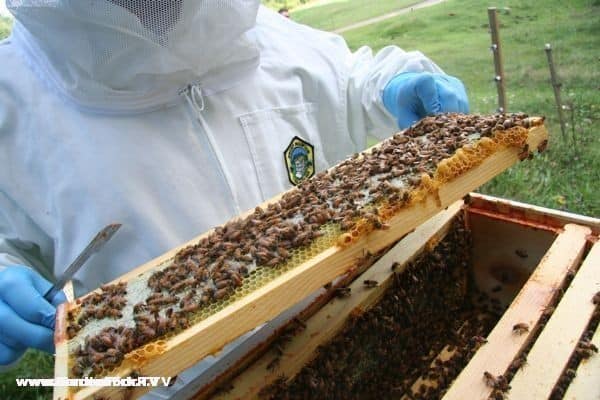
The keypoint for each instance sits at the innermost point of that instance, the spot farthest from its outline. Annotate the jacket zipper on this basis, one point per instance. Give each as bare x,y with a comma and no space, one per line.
195,99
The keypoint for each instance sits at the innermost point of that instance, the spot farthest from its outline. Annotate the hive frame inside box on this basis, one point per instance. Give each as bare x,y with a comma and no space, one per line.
210,335
559,241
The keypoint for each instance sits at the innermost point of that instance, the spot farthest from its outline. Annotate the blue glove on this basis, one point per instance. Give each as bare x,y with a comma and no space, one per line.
26,318
411,96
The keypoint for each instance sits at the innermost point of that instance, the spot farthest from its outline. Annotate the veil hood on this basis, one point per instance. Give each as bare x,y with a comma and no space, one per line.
128,55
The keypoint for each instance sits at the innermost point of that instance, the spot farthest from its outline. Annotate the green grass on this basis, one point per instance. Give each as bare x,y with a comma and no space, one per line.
34,364
455,35
331,15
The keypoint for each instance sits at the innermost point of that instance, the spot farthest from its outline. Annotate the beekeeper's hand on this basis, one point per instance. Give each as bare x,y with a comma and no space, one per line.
26,318
411,96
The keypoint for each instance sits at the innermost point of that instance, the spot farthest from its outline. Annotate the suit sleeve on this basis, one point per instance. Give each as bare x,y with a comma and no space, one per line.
22,241
368,75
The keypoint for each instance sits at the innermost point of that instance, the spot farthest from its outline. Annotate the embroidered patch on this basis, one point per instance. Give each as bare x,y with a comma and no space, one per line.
299,160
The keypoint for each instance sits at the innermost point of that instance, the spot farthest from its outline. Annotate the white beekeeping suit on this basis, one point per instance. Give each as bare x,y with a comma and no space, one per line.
169,117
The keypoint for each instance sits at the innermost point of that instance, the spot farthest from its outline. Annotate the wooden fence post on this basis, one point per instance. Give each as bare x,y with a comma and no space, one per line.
496,50
556,85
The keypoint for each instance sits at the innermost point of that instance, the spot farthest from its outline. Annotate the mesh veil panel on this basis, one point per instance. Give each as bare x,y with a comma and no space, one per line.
118,46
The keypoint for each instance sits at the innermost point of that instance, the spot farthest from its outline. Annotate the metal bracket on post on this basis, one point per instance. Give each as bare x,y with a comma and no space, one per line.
496,50
556,85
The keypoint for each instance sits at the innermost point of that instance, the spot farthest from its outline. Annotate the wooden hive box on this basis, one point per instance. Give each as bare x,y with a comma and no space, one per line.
468,160
538,269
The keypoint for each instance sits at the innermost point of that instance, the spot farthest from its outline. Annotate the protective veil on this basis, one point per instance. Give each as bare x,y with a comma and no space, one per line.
95,127
134,54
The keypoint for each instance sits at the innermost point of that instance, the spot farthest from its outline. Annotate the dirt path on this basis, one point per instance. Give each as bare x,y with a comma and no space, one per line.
392,14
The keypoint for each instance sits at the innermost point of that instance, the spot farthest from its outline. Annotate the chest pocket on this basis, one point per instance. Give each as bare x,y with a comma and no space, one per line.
270,133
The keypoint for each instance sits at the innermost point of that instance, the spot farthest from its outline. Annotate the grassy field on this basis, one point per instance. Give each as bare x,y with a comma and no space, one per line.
455,35
331,15
34,364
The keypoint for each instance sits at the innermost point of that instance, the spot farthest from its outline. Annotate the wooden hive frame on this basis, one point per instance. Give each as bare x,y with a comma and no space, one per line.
559,339
211,334
545,304
328,321
585,383
534,300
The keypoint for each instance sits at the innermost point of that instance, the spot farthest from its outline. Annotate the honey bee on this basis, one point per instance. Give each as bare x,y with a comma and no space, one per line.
265,242
139,307
570,373
283,253
95,356
369,283
342,292
114,313
273,261
145,319
236,278
517,363
521,253
223,283
520,328
146,330
112,352
99,313
300,323
72,330
77,370
524,154
489,379
181,285
190,307
262,256
585,349
219,294
478,340
499,382
107,339
273,364
162,300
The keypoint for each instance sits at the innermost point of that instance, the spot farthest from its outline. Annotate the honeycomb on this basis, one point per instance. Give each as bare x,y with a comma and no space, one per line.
256,279
141,355
261,276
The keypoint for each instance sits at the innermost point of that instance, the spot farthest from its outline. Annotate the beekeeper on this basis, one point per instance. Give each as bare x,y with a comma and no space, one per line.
170,117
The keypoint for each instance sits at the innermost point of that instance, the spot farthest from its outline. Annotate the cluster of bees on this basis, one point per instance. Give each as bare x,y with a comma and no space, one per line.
498,383
405,331
107,304
351,195
103,350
